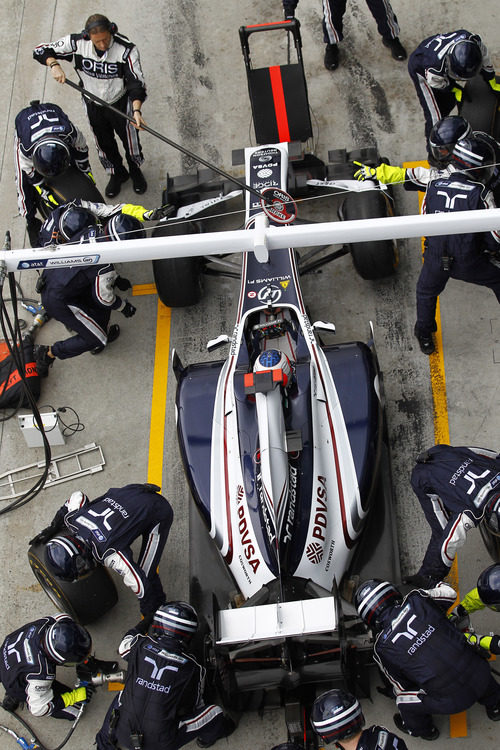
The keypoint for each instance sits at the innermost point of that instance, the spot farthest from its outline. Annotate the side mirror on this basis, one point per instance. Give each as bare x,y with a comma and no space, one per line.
320,325
218,342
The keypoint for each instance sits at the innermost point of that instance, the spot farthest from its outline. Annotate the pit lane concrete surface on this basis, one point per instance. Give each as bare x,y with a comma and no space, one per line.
198,97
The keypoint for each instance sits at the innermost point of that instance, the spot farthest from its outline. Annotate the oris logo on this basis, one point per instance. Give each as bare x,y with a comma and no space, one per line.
314,552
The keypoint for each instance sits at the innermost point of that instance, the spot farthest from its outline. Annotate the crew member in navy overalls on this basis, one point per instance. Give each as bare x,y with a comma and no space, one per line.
457,487
467,257
161,705
431,666
46,143
438,67
103,530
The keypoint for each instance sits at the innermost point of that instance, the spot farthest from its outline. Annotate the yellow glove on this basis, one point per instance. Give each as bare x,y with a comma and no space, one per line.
495,85
384,173
46,195
74,696
90,176
136,211
458,93
489,643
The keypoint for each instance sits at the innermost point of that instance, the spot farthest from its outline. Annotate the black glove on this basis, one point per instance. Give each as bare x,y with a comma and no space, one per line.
128,310
159,213
42,537
122,284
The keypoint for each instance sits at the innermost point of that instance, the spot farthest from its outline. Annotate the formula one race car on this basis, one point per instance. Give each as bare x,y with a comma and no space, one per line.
284,447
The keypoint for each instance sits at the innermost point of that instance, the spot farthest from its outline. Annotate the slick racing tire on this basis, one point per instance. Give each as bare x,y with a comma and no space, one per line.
69,185
179,281
491,542
379,258
85,600
479,105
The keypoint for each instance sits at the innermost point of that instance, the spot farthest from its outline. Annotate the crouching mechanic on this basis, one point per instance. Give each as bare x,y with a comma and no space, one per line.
336,716
456,487
432,667
30,656
161,705
82,297
103,530
46,143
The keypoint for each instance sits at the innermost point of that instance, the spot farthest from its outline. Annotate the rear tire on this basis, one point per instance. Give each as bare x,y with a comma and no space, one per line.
377,259
85,600
479,105
179,281
71,184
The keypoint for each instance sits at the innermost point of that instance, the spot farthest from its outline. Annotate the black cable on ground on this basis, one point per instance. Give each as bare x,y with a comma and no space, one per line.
32,733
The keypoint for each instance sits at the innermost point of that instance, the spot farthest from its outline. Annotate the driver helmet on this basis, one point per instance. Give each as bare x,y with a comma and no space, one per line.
492,515
66,642
68,557
488,587
474,156
274,359
175,620
124,227
336,715
444,135
74,220
51,157
373,599
465,59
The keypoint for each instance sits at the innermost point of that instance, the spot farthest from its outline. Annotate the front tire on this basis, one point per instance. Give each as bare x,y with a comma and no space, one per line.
379,258
85,600
179,281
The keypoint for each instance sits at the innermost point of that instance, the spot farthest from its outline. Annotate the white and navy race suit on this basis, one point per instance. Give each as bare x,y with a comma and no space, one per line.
430,664
114,76
29,675
162,698
110,524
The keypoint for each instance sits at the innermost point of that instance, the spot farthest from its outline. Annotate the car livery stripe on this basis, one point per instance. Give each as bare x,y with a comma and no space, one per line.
279,103
347,538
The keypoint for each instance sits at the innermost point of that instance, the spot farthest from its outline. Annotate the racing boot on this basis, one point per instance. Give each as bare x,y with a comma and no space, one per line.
113,333
228,727
432,734
9,703
119,176
138,179
493,712
426,342
43,360
397,50
331,57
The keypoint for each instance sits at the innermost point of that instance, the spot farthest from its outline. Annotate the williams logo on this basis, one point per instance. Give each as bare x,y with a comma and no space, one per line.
314,552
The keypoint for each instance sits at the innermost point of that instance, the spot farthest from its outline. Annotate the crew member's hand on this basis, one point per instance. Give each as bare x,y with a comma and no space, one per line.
43,536
57,72
46,195
139,121
495,85
155,214
458,92
122,284
364,172
128,310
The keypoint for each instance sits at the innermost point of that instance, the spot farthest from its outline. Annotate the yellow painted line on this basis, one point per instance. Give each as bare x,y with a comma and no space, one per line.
159,395
458,722
140,289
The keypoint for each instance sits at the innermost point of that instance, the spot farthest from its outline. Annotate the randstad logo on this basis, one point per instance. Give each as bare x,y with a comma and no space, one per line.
421,640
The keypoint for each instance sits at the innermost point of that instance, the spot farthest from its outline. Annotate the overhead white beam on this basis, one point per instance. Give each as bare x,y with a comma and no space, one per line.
221,243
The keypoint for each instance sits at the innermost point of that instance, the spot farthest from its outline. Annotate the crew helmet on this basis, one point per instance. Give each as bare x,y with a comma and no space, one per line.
492,515
175,620
51,157
474,156
124,227
444,135
74,220
373,598
66,642
336,715
68,557
465,59
488,587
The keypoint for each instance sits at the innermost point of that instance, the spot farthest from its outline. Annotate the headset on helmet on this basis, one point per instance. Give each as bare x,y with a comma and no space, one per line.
175,620
488,587
68,557
73,220
373,598
336,715
124,227
474,156
66,642
51,157
444,135
97,22
492,515
465,59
